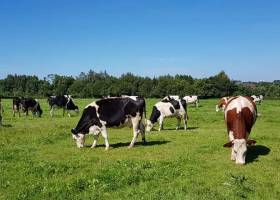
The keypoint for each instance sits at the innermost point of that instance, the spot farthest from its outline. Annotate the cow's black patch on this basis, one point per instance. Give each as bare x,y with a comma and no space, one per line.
154,115
171,109
174,102
184,104
88,119
115,111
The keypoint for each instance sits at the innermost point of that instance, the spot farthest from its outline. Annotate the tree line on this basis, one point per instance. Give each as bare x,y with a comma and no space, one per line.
98,84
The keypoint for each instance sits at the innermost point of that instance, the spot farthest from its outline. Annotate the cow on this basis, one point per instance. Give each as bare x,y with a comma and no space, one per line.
17,105
257,99
240,116
110,112
65,102
33,105
222,103
191,100
168,107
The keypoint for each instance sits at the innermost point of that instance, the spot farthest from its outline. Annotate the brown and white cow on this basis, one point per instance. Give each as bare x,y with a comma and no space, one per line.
240,116
222,103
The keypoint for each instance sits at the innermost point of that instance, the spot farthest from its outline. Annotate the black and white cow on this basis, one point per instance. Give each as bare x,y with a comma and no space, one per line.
110,112
168,107
257,99
17,105
65,102
192,100
31,104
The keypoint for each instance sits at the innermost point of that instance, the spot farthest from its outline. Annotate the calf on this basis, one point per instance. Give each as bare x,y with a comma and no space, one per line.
110,112
65,102
33,105
168,107
191,100
240,116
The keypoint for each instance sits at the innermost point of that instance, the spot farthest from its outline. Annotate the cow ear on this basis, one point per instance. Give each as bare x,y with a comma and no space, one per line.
250,142
229,144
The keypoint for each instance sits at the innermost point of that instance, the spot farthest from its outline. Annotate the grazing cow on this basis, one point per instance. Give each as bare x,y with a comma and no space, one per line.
257,99
168,107
65,102
222,103
110,112
191,100
240,116
31,104
17,105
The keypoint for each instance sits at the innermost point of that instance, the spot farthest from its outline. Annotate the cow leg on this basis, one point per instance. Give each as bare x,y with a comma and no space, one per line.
95,131
105,136
185,121
196,104
95,139
231,138
51,111
178,122
68,113
142,130
160,123
233,154
135,125
63,112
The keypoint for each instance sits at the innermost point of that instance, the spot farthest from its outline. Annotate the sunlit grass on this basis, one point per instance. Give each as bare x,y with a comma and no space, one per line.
39,159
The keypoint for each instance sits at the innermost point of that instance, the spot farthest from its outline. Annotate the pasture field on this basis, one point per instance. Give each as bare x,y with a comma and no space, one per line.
39,159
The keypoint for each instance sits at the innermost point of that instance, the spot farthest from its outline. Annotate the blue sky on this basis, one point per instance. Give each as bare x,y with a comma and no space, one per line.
145,37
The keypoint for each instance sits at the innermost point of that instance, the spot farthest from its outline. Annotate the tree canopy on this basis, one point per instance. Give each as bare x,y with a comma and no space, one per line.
98,84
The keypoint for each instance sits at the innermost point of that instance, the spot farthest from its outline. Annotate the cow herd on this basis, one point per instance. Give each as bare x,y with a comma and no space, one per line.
240,113
22,104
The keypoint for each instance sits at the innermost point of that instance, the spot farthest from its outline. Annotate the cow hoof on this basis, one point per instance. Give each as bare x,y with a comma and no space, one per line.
129,147
107,149
93,147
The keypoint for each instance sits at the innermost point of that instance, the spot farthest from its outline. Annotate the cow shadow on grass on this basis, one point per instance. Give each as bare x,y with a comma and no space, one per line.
126,144
180,129
255,151
6,125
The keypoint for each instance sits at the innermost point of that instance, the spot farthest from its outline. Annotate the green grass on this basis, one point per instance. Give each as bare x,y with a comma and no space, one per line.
39,159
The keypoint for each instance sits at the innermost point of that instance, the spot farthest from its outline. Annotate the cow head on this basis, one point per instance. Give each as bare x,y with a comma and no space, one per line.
80,138
239,149
71,106
149,125
77,109
222,104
